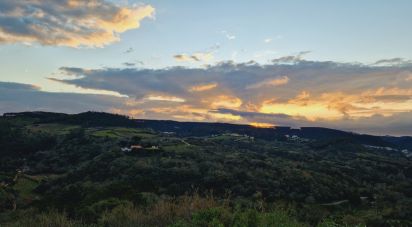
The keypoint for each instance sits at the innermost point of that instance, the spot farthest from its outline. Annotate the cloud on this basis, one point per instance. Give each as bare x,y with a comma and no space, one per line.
223,101
17,97
291,58
392,61
202,87
133,63
205,57
270,83
129,64
73,23
198,57
398,124
164,98
314,93
183,57
268,40
264,118
18,86
77,89
130,50
228,35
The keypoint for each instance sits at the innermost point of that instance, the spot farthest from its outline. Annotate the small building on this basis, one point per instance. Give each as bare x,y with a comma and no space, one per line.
9,115
295,137
126,149
132,147
169,133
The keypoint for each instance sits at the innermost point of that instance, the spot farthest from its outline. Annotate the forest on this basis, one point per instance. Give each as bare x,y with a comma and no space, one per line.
100,169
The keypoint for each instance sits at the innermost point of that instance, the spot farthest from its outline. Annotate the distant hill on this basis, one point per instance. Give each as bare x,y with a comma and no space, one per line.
101,119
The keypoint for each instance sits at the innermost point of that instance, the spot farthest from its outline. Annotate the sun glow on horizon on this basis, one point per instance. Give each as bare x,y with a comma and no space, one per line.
261,125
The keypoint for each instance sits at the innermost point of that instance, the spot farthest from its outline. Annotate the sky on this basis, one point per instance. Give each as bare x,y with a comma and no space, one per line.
327,63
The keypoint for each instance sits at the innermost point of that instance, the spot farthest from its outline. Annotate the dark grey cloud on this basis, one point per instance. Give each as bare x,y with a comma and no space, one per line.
313,77
252,114
393,61
291,58
17,86
340,94
356,97
15,97
129,64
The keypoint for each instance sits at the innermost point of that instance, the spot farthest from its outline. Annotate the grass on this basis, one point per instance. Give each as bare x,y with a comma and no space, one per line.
59,129
41,177
179,148
118,133
24,188
115,132
47,219
184,211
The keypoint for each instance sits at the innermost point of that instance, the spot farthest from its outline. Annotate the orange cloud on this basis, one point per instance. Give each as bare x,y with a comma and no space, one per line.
313,112
203,87
226,117
164,98
224,101
131,112
73,23
270,82
337,105
191,113
317,93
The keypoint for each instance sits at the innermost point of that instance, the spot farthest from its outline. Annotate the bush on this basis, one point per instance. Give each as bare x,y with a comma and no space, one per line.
49,219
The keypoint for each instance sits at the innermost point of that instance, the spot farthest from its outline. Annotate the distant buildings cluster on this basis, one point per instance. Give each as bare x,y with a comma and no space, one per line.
406,152
296,138
137,147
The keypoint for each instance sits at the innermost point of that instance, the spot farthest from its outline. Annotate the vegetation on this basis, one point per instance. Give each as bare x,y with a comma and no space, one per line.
71,170
183,211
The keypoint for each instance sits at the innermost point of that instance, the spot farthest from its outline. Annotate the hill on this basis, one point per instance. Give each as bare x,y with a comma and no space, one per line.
100,119
99,168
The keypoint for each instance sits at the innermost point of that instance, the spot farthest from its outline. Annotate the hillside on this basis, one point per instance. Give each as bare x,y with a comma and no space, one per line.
99,119
95,167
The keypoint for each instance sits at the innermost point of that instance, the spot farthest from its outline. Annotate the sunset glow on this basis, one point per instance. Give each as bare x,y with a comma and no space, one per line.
165,60
261,125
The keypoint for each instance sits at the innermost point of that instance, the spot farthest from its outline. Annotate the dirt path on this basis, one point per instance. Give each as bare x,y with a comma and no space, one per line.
335,203
183,141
